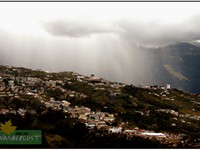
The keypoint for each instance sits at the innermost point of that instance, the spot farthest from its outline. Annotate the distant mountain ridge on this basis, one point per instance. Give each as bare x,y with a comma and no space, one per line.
178,65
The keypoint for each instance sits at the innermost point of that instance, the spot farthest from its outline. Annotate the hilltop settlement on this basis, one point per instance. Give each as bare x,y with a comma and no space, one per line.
74,110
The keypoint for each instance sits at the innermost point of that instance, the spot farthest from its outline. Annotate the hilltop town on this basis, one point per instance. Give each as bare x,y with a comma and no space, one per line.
158,113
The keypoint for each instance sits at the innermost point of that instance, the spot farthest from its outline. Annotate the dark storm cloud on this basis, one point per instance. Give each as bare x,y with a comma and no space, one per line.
75,28
112,54
155,33
143,32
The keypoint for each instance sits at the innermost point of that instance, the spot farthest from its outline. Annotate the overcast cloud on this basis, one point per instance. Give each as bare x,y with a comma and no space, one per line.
152,33
76,28
99,38
160,34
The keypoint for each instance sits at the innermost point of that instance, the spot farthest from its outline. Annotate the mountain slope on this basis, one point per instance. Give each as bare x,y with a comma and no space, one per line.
36,98
176,64
184,58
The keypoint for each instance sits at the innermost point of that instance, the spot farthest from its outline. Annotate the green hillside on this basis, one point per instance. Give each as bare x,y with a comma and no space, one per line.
33,99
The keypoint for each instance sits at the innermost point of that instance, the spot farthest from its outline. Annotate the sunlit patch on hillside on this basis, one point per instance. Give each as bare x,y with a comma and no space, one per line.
175,73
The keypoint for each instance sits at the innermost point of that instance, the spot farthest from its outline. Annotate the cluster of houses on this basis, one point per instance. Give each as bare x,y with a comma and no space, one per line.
176,114
26,84
135,132
4,111
190,116
155,87
55,105
36,87
104,120
100,120
71,94
173,112
20,111
169,111
166,138
101,84
165,95
90,118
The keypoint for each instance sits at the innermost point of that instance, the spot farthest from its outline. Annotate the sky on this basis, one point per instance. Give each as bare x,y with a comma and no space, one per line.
92,37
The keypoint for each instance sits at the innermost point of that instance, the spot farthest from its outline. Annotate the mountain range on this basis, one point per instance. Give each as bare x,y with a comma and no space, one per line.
176,64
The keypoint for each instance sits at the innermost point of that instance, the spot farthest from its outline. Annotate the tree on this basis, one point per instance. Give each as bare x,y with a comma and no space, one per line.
5,82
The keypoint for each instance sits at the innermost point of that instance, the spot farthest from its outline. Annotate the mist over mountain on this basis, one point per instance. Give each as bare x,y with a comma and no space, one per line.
115,41
196,43
176,64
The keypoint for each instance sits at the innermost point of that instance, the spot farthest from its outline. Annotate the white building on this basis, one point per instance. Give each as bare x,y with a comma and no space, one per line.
65,103
168,86
115,130
11,83
51,83
154,134
80,78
